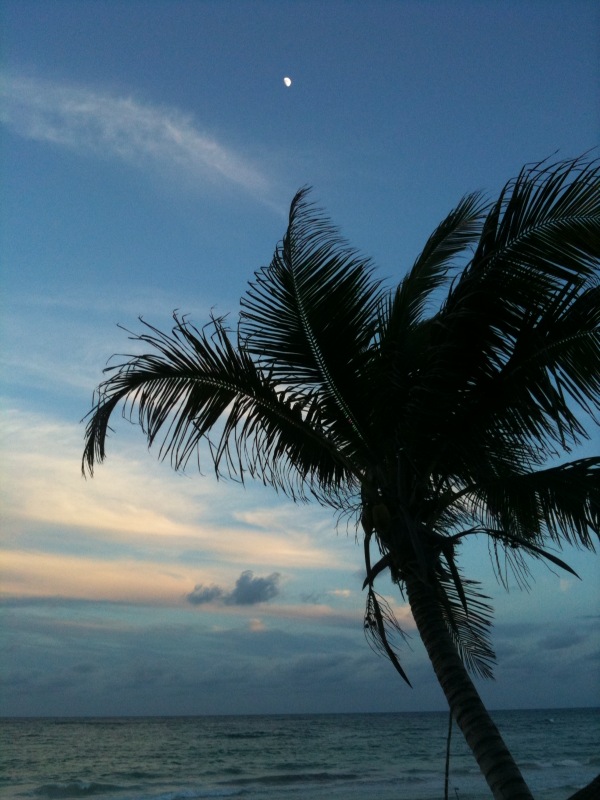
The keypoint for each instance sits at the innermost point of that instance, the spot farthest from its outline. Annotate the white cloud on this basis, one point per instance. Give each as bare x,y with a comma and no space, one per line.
101,123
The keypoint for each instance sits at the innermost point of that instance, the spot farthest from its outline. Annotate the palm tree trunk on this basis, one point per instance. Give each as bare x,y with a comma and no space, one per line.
495,761
589,792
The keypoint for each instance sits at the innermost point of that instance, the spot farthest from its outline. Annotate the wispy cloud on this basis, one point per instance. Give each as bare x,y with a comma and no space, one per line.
137,518
102,123
47,576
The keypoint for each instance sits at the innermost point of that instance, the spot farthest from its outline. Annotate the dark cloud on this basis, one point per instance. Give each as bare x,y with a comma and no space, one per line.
247,592
204,594
250,590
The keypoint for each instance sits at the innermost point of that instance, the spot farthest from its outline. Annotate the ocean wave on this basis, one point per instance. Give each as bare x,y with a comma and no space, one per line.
531,765
198,794
539,765
297,777
74,789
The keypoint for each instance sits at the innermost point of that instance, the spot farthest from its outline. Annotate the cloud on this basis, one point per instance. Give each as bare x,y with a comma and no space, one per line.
204,594
109,659
46,575
248,591
107,125
137,507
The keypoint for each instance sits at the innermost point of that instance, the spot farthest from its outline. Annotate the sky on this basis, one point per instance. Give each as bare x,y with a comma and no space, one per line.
149,153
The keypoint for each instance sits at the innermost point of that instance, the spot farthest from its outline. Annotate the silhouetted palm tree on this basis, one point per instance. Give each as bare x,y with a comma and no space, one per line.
432,417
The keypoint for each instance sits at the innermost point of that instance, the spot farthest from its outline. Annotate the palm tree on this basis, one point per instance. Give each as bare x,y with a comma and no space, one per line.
428,423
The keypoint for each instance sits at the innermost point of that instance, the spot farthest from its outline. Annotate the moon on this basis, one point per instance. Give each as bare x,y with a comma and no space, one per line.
287,81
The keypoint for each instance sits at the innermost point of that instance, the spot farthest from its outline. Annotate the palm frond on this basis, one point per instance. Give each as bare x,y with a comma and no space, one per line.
196,383
310,316
547,220
514,352
404,334
382,630
457,232
527,547
551,371
561,504
468,617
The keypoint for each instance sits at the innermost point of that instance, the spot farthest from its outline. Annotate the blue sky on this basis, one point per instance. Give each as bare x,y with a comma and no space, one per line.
149,154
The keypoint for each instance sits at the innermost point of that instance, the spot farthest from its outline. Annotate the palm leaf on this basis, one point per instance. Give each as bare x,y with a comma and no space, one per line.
529,548
468,617
382,630
404,335
547,219
193,384
459,230
310,316
560,503
551,367
515,349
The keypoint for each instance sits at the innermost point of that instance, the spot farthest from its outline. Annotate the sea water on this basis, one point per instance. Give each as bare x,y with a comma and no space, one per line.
301,757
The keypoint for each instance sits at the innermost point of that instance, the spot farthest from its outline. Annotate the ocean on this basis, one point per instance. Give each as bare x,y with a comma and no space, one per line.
301,757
